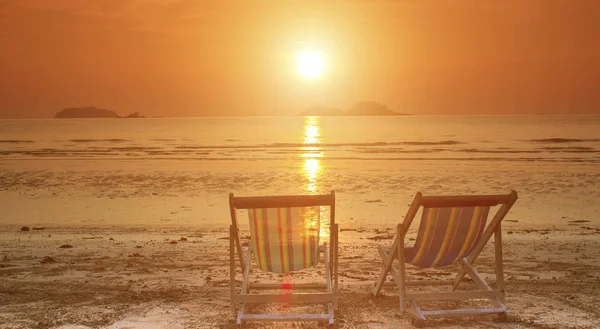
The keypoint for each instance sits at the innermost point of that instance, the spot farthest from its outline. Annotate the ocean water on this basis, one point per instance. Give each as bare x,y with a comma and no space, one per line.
179,171
574,139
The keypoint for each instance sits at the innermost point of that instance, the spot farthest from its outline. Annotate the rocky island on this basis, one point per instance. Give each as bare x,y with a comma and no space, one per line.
366,108
134,115
89,112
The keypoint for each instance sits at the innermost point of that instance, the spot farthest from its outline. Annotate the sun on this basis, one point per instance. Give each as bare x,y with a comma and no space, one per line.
310,63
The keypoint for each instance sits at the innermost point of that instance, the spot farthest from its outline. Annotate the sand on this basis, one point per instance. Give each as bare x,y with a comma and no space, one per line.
144,278
149,247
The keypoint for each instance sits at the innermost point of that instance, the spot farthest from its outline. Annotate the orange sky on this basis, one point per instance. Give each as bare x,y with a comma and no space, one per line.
195,57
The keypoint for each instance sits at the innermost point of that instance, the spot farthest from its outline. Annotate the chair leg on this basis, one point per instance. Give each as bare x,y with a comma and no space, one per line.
458,278
499,262
245,286
402,299
387,264
416,310
328,267
335,261
402,269
231,266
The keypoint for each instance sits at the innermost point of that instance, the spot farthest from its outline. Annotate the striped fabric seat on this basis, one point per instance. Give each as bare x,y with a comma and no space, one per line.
285,239
446,235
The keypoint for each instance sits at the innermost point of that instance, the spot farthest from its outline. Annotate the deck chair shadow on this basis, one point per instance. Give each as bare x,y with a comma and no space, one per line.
453,230
284,237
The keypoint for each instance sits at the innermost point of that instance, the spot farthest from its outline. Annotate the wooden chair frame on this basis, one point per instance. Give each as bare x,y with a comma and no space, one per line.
398,271
244,296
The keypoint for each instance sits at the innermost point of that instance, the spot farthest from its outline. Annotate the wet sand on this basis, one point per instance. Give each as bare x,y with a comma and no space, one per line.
149,247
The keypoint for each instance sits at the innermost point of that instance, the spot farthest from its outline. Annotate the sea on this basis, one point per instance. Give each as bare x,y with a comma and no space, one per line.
539,138
180,171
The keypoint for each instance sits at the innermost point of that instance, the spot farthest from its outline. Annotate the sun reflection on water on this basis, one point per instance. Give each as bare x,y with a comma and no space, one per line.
312,168
312,152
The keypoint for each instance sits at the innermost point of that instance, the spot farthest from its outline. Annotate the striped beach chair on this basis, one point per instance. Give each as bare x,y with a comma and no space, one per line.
284,237
453,230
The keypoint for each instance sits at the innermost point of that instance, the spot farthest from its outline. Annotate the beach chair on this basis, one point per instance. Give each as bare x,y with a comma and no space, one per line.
452,231
284,238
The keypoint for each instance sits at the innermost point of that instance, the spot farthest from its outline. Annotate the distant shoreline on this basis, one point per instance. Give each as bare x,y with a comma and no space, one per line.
91,112
395,114
298,115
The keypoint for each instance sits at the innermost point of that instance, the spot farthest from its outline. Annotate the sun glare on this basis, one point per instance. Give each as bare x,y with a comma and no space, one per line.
310,63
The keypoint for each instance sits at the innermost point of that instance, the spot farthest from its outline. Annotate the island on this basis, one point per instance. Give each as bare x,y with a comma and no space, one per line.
85,112
91,112
365,108
134,115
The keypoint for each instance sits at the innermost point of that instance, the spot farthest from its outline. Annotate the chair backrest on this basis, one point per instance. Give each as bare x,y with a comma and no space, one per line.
447,234
284,230
285,239
452,227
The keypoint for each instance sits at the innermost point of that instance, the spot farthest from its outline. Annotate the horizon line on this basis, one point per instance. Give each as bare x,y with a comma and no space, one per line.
296,115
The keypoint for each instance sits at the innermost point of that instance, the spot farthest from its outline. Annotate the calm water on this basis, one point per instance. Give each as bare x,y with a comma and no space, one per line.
468,138
52,171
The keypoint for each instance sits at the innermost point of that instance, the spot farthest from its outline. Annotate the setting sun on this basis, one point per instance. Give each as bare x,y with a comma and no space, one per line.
310,63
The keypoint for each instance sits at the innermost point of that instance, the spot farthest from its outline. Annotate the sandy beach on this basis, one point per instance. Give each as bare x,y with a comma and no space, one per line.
148,248
178,278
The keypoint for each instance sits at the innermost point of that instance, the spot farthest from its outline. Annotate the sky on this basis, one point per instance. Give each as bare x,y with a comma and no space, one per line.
234,58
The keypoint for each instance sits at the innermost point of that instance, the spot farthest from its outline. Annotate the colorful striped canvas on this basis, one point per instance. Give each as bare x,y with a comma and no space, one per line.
285,239
447,235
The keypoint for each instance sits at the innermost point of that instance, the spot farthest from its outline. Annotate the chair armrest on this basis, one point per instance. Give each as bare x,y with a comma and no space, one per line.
401,231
